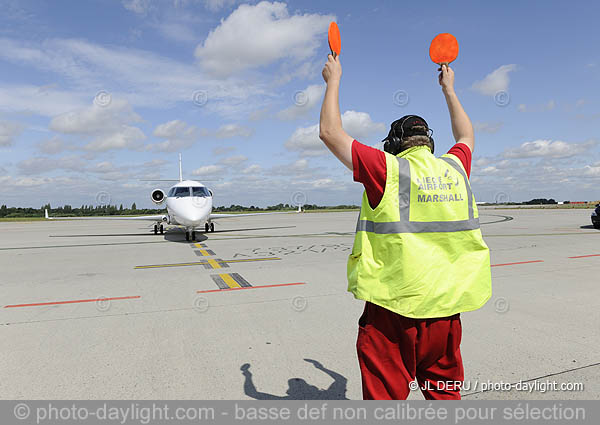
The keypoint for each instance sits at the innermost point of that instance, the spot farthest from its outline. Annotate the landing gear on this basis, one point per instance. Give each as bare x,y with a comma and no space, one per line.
206,227
187,235
162,229
209,227
193,235
212,227
156,229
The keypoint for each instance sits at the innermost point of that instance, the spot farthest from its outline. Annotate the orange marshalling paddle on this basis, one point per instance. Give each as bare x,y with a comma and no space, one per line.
443,49
335,43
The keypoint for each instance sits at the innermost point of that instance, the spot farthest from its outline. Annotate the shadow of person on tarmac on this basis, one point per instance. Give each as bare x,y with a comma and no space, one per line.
299,389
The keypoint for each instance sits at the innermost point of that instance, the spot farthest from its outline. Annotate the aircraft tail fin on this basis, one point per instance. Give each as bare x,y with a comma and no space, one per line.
180,172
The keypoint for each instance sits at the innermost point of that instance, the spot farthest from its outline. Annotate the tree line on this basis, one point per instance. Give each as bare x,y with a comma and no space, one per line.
106,210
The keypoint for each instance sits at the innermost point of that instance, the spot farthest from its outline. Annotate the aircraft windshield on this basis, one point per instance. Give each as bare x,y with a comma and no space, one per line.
179,192
200,191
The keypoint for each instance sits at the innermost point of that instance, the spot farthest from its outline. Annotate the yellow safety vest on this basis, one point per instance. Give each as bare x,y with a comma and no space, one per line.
420,252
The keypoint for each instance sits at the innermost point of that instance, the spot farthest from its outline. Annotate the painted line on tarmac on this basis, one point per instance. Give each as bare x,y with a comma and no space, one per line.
74,301
519,262
240,280
586,256
204,252
277,285
198,245
215,263
230,281
170,310
219,281
503,218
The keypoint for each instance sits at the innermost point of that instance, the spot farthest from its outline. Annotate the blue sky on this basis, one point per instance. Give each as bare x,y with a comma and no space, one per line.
96,96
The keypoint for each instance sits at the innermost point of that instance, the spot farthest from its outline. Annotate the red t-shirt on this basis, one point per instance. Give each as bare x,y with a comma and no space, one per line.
370,169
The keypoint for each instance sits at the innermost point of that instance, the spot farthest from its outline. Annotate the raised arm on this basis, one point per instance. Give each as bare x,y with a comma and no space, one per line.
462,129
250,389
339,381
330,126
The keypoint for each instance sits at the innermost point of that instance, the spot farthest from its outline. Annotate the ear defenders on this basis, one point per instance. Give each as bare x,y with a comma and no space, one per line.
393,143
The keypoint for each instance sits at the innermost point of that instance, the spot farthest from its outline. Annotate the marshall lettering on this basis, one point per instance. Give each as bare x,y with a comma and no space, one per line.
440,198
438,184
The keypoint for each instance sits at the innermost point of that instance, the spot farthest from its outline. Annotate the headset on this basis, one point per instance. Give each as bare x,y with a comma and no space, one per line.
393,143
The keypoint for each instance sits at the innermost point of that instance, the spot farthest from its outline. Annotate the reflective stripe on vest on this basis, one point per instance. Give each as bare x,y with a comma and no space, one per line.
405,225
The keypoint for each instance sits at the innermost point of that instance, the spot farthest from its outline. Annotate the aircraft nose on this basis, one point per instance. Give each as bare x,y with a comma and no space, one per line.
199,202
195,215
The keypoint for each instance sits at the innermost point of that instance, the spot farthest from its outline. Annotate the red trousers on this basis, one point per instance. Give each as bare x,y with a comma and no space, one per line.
393,350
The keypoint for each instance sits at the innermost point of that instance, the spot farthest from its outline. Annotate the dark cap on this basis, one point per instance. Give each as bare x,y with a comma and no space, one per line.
404,127
408,125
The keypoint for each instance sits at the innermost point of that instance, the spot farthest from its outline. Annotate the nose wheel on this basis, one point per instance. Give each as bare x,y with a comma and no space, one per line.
159,228
209,227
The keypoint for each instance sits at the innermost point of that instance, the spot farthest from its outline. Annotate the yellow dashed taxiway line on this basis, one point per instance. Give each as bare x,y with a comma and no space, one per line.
229,280
214,264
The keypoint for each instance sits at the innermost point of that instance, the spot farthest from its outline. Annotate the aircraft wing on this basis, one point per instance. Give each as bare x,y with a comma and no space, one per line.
215,216
141,217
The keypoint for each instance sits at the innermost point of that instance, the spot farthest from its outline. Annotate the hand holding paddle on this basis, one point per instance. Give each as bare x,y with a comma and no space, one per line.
446,78
332,71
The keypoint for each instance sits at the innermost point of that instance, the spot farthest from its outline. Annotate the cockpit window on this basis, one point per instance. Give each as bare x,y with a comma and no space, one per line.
200,191
180,192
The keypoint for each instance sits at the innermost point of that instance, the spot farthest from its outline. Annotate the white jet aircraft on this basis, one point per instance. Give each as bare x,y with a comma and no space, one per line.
189,205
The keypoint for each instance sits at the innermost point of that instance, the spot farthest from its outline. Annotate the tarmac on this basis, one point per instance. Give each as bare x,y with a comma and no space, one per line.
259,310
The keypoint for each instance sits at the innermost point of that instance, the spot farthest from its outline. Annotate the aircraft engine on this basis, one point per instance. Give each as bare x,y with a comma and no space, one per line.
158,196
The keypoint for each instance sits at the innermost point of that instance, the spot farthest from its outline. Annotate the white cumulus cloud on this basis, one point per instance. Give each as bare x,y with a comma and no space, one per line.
126,138
109,126
229,131
357,124
94,119
497,80
207,170
177,134
233,160
304,101
252,169
257,35
548,149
